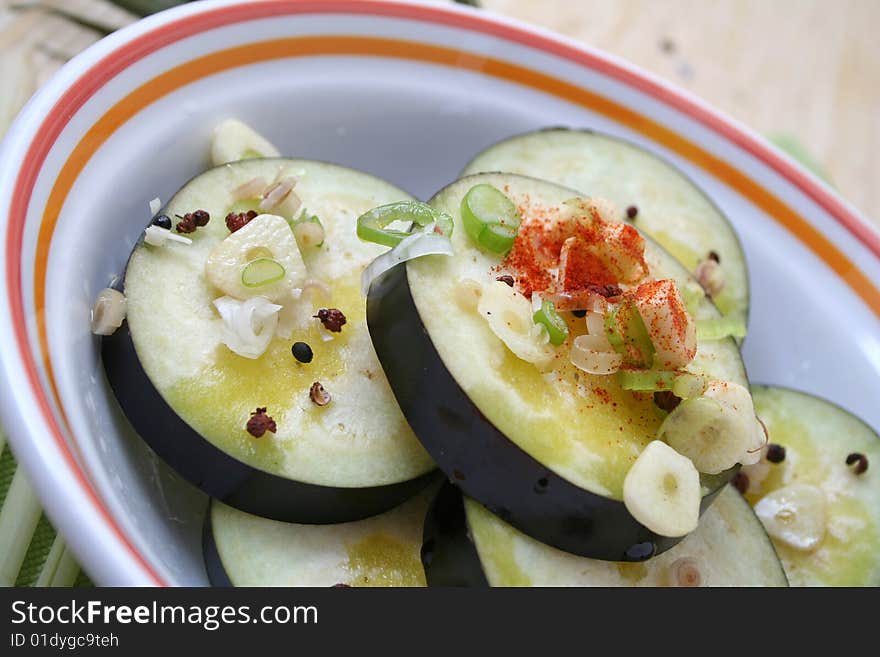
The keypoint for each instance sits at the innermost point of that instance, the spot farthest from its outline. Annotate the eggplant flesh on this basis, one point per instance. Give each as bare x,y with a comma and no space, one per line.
554,483
385,550
669,206
818,436
190,397
729,548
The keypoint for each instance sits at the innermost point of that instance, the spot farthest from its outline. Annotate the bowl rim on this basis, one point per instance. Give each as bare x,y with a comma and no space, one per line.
69,498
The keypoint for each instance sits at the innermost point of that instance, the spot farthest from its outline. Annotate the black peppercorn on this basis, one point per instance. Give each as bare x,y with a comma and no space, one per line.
302,352
631,212
162,221
775,453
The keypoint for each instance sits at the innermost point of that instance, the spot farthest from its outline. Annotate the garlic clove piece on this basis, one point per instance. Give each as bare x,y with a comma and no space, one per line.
795,514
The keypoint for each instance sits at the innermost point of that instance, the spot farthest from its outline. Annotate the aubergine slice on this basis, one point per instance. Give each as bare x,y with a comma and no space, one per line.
245,550
546,453
818,437
729,548
190,397
670,207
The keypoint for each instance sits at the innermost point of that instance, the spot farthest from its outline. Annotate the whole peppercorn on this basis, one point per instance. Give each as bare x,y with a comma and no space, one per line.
162,221
859,461
186,224
201,218
331,318
238,220
775,453
631,212
260,423
302,352
192,220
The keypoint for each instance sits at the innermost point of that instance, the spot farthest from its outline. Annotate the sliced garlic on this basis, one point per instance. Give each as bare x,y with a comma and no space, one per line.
248,326
158,236
716,430
278,193
234,141
108,313
250,189
509,315
266,235
662,491
738,401
594,355
795,514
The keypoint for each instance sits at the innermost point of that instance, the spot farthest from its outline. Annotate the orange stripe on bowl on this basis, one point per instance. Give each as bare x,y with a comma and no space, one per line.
367,46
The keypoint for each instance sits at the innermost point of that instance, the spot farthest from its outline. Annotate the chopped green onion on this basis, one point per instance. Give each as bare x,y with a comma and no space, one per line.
305,217
490,218
371,226
646,380
261,271
721,327
627,333
682,384
556,327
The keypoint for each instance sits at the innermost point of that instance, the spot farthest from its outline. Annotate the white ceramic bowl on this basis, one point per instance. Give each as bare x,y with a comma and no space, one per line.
406,91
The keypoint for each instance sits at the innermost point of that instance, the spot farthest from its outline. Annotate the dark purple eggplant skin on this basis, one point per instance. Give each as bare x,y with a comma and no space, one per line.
214,568
474,454
221,475
449,557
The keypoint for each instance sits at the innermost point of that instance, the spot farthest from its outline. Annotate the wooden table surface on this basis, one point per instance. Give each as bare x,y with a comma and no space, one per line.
805,69
802,69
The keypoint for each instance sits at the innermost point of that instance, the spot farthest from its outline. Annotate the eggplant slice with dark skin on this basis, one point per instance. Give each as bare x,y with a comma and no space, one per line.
660,199
221,475
241,549
190,397
813,441
463,435
471,547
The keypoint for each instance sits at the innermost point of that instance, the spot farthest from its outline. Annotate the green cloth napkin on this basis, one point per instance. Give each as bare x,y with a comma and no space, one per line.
31,551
